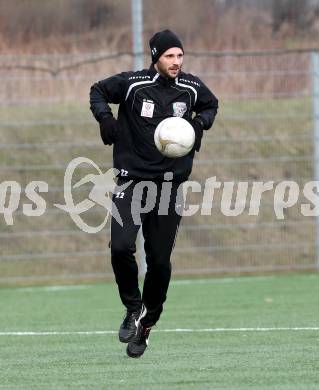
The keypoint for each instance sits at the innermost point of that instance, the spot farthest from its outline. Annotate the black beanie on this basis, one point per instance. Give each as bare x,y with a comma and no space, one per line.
162,41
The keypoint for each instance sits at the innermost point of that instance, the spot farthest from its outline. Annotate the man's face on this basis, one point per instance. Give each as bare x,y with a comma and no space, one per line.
170,62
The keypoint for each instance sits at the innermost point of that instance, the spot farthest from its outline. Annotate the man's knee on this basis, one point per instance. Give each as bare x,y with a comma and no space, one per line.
122,248
159,265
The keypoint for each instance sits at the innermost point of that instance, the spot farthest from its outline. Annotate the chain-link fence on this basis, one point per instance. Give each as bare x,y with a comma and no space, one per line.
263,132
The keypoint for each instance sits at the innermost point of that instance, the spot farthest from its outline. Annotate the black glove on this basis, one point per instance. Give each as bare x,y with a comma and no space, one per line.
108,130
198,127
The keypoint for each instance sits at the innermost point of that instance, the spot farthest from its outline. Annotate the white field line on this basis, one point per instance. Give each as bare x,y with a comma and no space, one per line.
241,279
178,282
178,330
174,282
53,288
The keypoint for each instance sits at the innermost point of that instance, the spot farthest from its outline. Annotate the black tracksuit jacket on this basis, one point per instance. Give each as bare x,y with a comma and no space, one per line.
145,98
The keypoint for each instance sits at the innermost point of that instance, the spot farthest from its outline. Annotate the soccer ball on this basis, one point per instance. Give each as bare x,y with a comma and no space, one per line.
174,137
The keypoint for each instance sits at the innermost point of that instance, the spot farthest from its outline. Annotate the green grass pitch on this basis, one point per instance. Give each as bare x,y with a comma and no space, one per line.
251,332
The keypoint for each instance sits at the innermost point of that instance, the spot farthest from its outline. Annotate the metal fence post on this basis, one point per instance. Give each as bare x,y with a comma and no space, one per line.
315,106
137,27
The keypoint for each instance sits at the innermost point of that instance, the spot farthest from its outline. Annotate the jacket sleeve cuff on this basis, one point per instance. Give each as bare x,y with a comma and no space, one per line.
198,123
106,116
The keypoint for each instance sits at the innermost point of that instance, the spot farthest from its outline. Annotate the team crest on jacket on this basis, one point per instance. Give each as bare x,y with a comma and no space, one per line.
179,109
147,108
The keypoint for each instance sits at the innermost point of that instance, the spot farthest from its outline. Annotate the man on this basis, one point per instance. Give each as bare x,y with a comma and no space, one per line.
145,98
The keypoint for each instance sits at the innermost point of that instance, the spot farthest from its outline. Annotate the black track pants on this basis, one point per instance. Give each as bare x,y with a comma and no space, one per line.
159,233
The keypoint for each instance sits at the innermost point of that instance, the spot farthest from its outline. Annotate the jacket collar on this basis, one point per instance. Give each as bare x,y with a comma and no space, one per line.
160,79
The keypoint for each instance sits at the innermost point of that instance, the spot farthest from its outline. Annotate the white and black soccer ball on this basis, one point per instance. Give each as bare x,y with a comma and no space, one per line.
174,137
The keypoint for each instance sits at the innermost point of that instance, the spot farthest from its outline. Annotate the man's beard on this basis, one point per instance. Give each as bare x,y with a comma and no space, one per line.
165,71
177,73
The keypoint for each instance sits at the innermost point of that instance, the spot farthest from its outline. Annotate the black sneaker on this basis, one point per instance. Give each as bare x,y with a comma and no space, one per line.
129,326
139,342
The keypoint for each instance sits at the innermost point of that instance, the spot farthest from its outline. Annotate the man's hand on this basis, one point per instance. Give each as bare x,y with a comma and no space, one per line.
198,127
108,130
